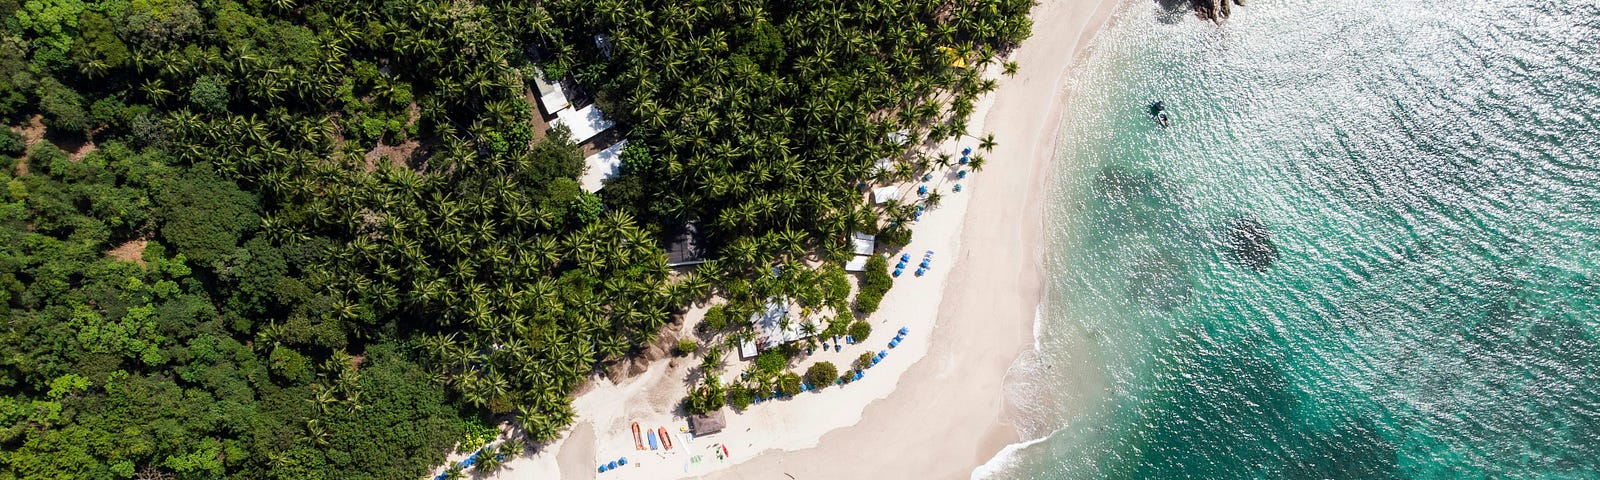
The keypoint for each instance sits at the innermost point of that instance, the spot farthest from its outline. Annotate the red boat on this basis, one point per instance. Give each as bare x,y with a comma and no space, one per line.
666,441
638,441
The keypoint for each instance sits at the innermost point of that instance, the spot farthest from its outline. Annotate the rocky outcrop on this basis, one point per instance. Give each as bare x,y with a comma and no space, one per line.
1214,10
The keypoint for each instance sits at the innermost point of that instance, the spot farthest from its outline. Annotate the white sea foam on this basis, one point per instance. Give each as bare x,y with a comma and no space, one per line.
1004,459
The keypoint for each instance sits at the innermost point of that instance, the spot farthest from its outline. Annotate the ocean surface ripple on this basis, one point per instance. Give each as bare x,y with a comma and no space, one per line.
1428,174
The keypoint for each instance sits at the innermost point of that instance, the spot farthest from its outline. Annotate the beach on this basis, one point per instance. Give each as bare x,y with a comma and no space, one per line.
935,406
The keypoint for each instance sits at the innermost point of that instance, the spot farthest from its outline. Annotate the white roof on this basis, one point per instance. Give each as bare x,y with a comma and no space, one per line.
864,244
584,122
748,349
602,165
884,194
900,137
857,264
884,165
768,323
551,96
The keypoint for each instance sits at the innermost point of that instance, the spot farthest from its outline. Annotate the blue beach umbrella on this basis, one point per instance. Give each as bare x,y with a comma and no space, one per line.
838,347
622,461
961,174
905,257
966,151
922,190
904,330
894,343
957,187
927,177
602,469
612,465
964,160
921,271
883,353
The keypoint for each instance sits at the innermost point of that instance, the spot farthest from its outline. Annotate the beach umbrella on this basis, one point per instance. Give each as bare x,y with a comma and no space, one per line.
858,374
921,271
927,177
961,174
602,469
622,461
957,187
905,257
850,340
925,263
964,160
922,190
838,347
904,330
894,343
612,465
965,152
875,360
897,272
883,353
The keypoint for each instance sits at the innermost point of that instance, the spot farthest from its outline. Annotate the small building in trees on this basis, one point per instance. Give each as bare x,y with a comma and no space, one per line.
601,166
885,194
864,244
772,323
585,123
551,97
686,248
707,423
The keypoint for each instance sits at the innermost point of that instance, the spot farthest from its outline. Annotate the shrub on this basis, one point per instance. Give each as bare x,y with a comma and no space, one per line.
739,396
874,283
687,346
789,383
716,318
11,142
209,93
864,361
860,330
822,374
771,361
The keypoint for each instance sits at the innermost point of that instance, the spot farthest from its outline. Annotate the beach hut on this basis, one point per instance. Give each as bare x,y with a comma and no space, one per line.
769,324
707,423
863,244
585,123
685,248
857,264
885,194
551,97
601,166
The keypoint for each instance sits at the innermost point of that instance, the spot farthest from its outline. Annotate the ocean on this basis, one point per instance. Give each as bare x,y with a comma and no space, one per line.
1368,246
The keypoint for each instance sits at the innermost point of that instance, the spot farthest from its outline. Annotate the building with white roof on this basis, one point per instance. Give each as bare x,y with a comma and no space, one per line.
584,122
601,166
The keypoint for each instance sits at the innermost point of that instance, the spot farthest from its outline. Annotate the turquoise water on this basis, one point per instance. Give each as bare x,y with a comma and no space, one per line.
1429,175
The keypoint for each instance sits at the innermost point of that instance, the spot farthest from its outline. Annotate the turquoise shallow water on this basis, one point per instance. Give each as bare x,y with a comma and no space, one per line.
1429,174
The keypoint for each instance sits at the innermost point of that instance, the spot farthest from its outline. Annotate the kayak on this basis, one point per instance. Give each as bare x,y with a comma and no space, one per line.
638,441
666,441
652,439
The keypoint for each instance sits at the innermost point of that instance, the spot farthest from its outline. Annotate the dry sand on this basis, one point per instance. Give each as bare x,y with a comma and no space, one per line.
935,407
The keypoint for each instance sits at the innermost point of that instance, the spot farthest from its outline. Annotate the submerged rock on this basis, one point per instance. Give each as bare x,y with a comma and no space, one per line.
1249,244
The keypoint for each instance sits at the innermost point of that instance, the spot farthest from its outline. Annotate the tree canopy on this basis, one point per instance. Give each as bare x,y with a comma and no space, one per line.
328,239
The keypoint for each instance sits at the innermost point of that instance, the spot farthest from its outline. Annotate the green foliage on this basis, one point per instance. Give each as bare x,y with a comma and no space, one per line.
875,282
300,311
686,346
716,318
864,361
822,374
11,142
860,330
772,361
707,397
740,396
789,383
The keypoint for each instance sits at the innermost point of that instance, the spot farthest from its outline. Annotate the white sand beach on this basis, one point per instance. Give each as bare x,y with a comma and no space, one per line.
934,408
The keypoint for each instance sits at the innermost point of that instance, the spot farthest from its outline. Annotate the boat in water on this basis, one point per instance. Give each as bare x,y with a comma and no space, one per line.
1158,112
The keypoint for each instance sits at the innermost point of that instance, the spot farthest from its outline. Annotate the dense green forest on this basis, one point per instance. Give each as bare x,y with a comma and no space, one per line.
324,239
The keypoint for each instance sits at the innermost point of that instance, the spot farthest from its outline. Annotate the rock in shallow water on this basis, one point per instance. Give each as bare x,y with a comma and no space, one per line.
1250,244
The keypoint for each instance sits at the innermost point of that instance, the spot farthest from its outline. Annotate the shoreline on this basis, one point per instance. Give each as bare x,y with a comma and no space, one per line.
941,393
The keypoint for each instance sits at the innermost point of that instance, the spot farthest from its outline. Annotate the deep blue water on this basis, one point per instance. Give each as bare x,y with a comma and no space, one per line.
1429,175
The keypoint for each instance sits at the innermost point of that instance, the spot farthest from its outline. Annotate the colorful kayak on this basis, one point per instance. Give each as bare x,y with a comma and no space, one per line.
638,440
666,441
652,436
725,451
